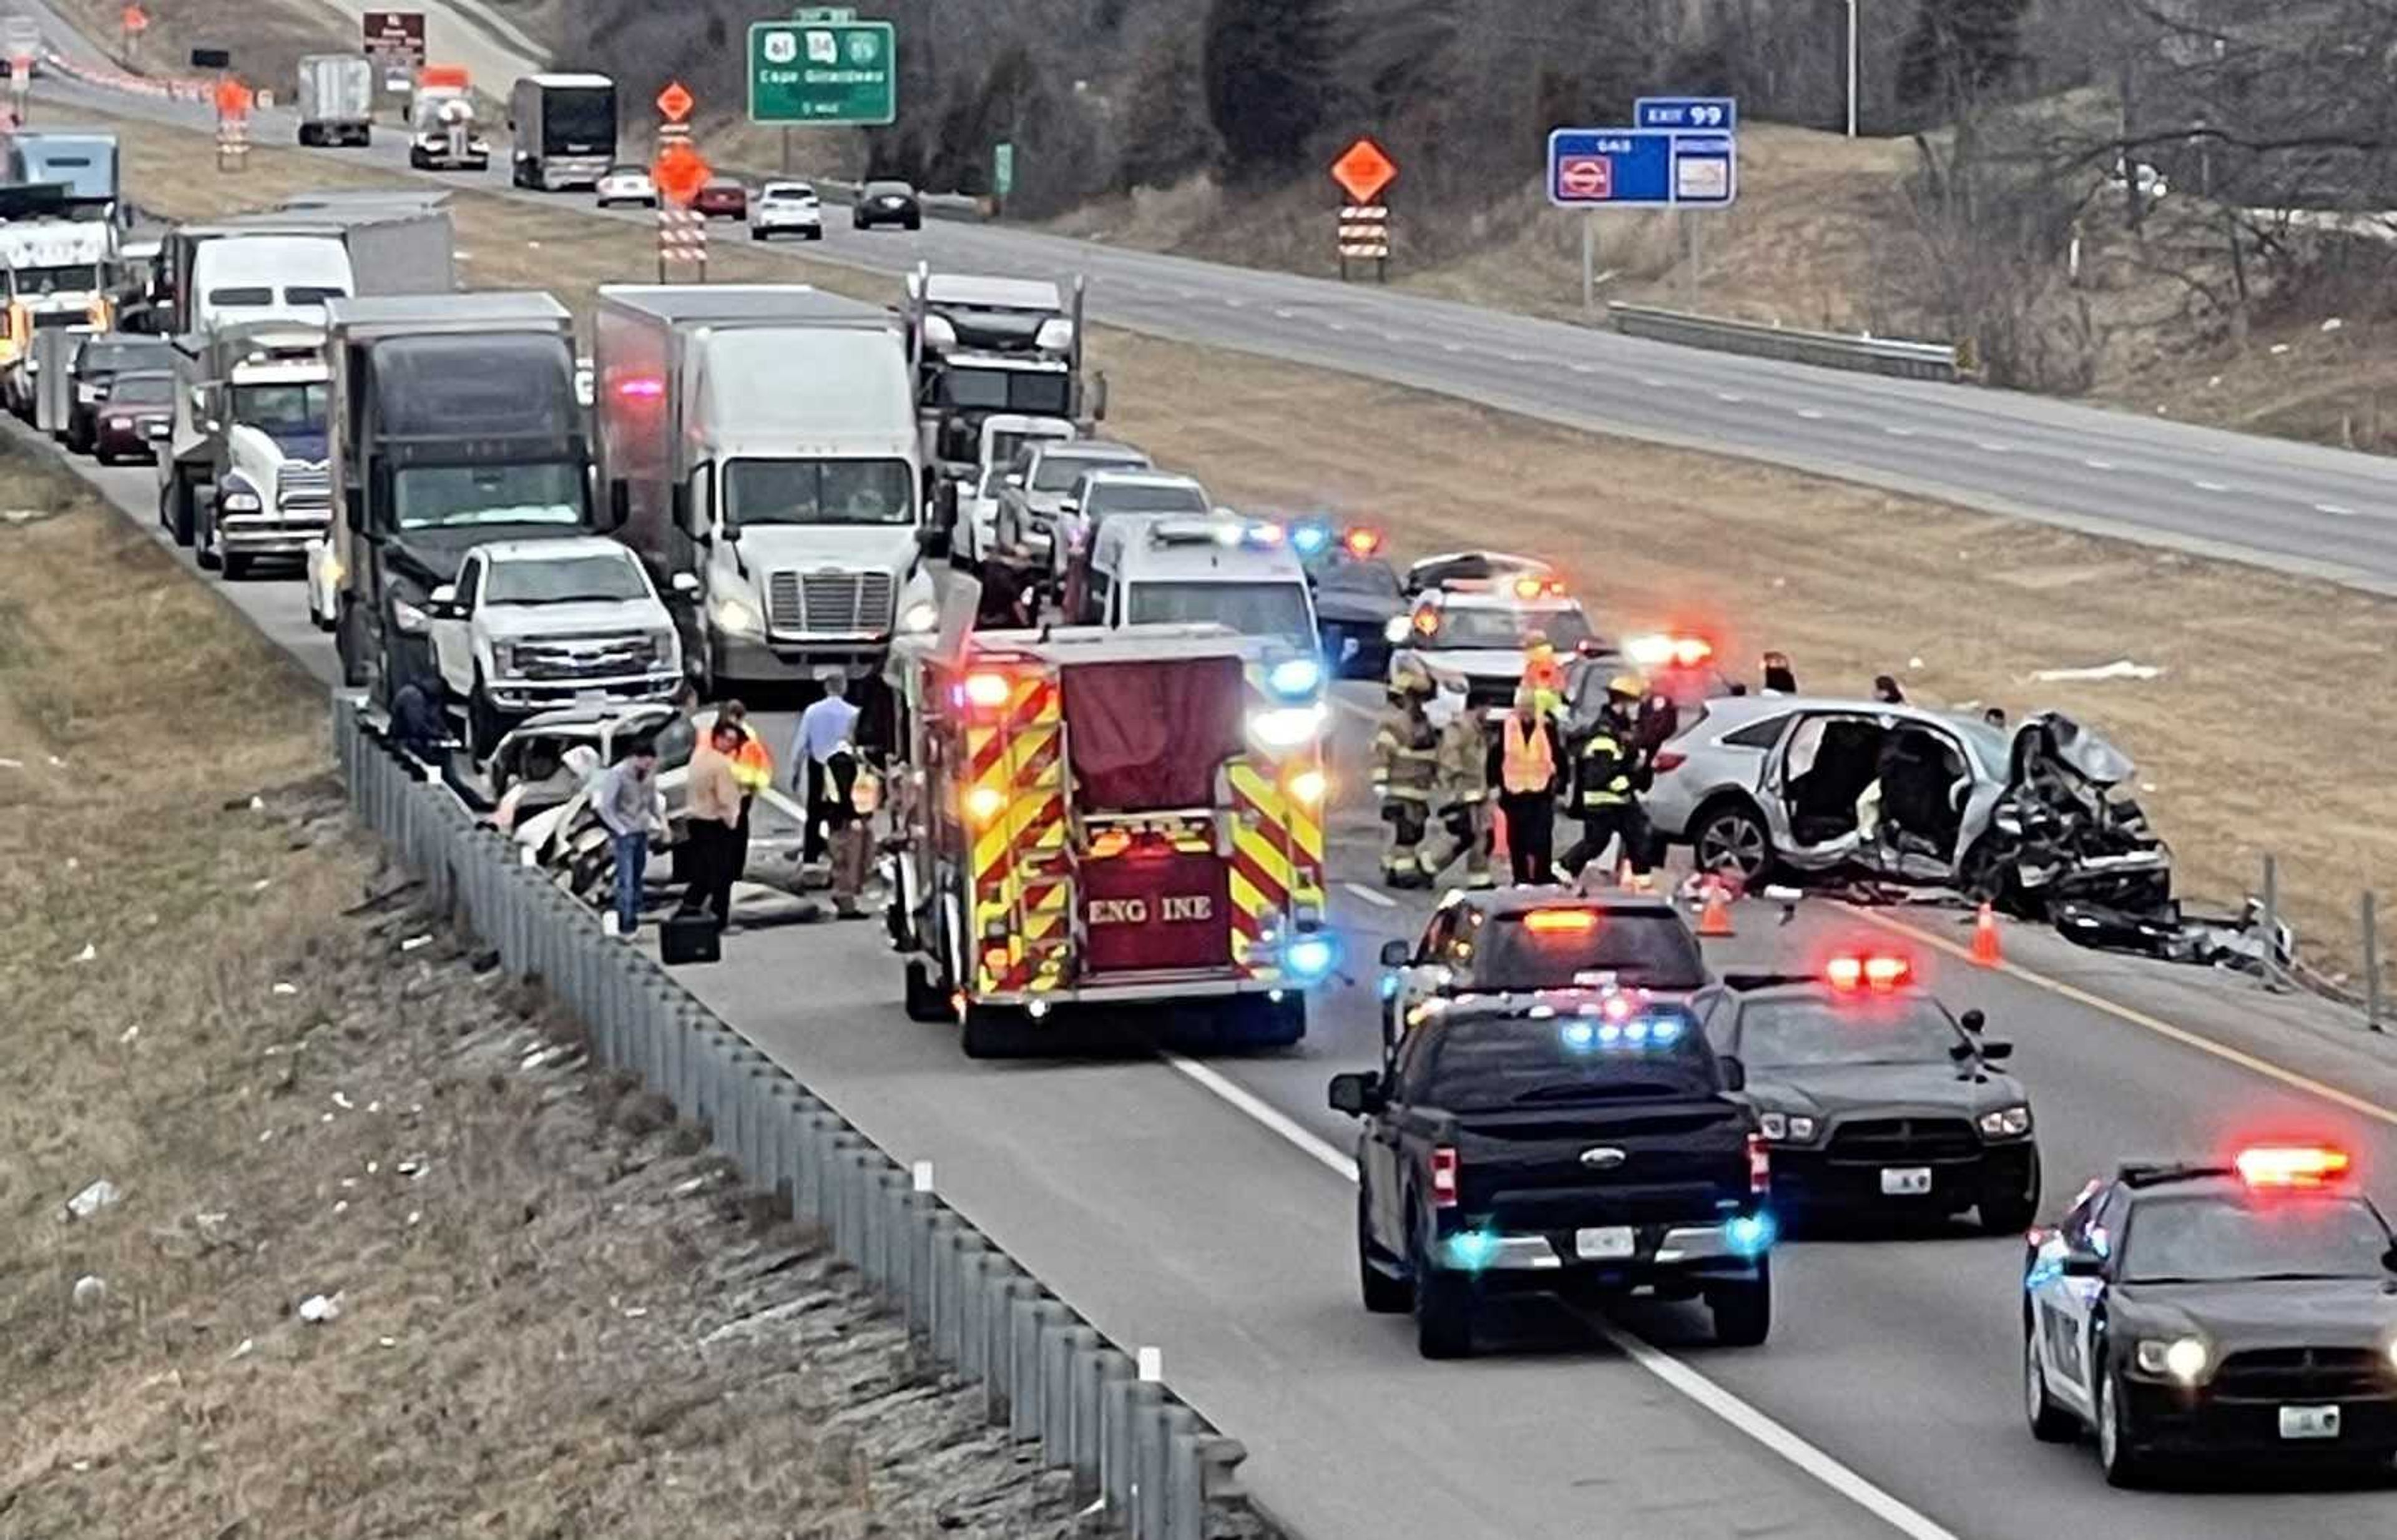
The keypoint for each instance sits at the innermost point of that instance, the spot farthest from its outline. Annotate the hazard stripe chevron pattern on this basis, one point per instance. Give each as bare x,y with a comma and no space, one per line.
1277,863
1023,892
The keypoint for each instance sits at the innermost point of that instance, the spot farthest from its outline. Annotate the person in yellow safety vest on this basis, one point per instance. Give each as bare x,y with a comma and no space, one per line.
1461,791
1521,763
752,770
1405,764
1606,797
1543,674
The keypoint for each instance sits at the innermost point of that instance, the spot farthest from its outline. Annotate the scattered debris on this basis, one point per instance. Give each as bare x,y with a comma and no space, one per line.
257,804
2120,668
286,989
241,1350
261,885
413,942
12,764
342,1100
102,1194
319,1309
130,1033
90,1293
88,954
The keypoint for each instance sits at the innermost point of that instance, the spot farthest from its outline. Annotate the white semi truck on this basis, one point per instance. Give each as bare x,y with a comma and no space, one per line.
54,275
336,99
565,129
761,441
443,135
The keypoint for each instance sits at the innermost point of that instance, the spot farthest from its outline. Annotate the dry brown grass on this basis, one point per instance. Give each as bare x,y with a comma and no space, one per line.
2264,733
266,37
556,1318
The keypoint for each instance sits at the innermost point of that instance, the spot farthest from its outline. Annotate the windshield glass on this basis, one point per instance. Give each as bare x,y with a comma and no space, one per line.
457,497
313,294
1645,950
1132,497
1359,577
1275,609
241,295
2209,1239
73,279
1505,629
282,411
1029,391
821,492
888,190
1793,1033
788,192
1482,1066
1006,446
114,357
570,581
1057,473
141,390
585,115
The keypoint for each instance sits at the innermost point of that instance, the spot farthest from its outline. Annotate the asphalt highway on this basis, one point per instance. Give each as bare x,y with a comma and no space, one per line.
1201,1206
2293,507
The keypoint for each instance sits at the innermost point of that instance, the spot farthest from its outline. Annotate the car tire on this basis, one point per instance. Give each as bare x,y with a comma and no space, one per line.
926,1000
2050,1423
995,1032
485,726
234,569
915,221
1442,1303
756,234
2119,1455
1731,835
815,234
176,507
1384,1293
2010,1212
204,535
1743,1311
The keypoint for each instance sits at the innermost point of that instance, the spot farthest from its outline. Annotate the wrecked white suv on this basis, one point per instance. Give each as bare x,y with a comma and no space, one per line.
533,626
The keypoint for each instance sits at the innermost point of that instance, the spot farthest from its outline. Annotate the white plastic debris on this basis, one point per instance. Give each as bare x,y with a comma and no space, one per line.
88,954
241,1350
130,1033
73,864
261,885
2279,348
318,1310
12,764
634,1312
413,942
415,1216
286,989
90,1291
343,1207
265,1134
100,1195
342,1100
1914,663
2120,668
386,1341
257,804
2334,324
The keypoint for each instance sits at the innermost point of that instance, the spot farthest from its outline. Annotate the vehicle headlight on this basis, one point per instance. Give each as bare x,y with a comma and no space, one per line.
666,645
1295,679
1793,1126
503,659
408,618
240,500
1286,727
2006,1122
1395,629
2392,1352
921,617
2182,1358
733,616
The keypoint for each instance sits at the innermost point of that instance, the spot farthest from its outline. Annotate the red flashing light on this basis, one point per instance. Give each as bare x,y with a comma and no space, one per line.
1361,541
2290,1165
1550,922
1759,1164
1617,1008
1668,651
1877,971
1444,1177
1690,652
988,692
1426,622
641,387
1532,588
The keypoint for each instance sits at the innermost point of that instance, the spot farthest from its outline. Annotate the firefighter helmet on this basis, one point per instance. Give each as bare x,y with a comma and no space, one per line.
1629,686
1407,680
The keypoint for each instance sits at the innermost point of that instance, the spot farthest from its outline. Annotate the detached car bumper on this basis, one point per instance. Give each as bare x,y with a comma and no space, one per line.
2171,1419
1811,1179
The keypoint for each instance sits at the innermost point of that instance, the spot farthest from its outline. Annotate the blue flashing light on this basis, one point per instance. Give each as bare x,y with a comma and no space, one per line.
1610,1033
1311,537
1663,1029
1635,1031
1472,1248
1309,957
1295,679
1390,986
1581,1036
1749,1234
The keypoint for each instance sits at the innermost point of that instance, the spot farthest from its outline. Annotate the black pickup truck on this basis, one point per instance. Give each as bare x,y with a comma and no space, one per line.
1579,1141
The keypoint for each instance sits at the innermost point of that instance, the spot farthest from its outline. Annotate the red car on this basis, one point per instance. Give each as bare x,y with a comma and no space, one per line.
722,198
134,407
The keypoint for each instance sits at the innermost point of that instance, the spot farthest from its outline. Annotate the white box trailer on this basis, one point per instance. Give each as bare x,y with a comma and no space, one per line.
336,99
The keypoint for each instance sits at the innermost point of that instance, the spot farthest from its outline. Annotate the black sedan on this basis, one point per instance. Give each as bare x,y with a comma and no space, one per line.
887,203
1873,1098
2244,1309
1355,602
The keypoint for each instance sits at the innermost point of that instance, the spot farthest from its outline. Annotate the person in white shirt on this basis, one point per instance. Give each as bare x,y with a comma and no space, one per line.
826,726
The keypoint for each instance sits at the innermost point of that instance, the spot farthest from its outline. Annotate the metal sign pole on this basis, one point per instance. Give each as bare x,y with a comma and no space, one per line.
1589,261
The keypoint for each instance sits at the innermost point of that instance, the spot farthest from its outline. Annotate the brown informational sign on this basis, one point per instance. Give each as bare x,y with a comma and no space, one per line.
393,35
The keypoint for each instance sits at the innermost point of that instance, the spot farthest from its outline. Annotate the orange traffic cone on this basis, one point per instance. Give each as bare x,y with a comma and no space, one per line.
1715,918
1984,938
1497,835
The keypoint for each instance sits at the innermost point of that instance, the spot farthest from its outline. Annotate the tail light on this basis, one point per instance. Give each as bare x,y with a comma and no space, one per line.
1576,922
1669,760
1444,1177
1759,1164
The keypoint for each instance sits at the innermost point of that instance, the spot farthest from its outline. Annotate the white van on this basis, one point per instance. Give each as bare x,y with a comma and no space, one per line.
1154,569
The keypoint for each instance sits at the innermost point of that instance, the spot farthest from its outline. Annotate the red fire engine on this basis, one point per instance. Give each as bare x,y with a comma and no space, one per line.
1108,817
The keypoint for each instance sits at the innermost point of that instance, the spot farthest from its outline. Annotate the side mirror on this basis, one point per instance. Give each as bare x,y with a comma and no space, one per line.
684,585
1734,1074
2083,1265
678,508
619,503
1997,1049
442,603
1397,954
1359,1093
1098,398
1973,1021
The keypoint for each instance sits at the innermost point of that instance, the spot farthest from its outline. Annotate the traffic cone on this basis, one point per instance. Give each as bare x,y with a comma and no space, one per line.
1497,835
1715,918
1984,938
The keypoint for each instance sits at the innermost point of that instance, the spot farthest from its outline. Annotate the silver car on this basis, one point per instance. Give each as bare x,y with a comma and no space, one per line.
1826,788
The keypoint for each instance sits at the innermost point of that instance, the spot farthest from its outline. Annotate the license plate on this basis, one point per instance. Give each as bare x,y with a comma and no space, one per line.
1905,1181
1606,1243
2308,1422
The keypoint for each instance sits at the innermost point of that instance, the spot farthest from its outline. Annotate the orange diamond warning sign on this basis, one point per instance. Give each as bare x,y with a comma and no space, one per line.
676,102
1363,170
679,172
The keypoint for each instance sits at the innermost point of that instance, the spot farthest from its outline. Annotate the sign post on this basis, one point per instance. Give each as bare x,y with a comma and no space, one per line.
825,68
1363,171
24,40
131,23
1681,155
678,173
233,124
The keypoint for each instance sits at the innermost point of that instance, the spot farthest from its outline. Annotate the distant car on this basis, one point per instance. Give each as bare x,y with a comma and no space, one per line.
136,406
887,203
98,359
1106,491
1355,602
1524,941
722,198
1471,636
786,209
628,184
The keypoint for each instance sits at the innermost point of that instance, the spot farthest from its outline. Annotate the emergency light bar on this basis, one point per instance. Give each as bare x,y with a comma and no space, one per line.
1225,529
1879,973
1534,588
1545,923
2290,1165
1661,651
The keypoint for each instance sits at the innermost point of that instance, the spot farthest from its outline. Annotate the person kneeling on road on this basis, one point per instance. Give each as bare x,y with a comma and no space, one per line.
625,802
1405,763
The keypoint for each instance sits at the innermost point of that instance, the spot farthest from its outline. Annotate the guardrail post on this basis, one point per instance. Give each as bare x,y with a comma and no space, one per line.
1030,1319
1063,1345
2372,962
946,1241
1125,1403
1186,1480
2271,921
1001,1289
1095,1368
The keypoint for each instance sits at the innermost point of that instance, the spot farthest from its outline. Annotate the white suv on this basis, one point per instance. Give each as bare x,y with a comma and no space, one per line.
531,626
786,209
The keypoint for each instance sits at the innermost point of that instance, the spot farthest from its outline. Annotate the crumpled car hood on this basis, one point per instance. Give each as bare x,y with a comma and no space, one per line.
2079,750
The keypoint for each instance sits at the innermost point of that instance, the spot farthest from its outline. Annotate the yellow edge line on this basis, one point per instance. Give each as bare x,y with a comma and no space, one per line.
2180,1035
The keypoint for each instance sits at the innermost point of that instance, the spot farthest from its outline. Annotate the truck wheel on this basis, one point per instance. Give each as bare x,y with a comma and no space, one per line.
1743,1311
203,535
1275,1023
2010,1211
175,506
234,568
308,135
1384,1295
926,1002
995,1032
1443,1306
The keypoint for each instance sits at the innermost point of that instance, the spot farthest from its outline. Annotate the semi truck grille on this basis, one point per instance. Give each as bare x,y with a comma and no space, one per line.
584,657
2305,1374
821,603
304,488
1894,1141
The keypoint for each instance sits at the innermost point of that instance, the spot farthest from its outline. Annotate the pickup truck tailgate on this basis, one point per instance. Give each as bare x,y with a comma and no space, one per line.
1553,1169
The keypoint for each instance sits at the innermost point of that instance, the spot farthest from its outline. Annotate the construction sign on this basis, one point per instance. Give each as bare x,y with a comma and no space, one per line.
1363,170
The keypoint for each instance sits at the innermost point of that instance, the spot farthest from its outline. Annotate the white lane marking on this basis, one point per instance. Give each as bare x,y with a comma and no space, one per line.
1360,890
2209,486
1282,314
1995,448
1895,432
1676,1375
1337,326
2099,464
1728,398
1651,382
2334,510
1452,347
1518,357
1237,304
1810,414
1584,369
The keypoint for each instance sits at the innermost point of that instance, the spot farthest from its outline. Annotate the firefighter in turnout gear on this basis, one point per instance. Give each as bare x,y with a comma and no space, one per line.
1405,763
1606,776
1461,793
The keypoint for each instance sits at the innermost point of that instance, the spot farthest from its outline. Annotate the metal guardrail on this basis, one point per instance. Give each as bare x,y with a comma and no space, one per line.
1048,1376
1825,349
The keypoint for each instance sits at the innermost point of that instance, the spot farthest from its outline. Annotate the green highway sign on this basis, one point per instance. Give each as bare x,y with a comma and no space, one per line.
1003,169
823,73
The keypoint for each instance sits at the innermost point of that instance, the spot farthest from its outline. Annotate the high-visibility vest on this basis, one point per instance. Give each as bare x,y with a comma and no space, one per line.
1527,763
752,766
